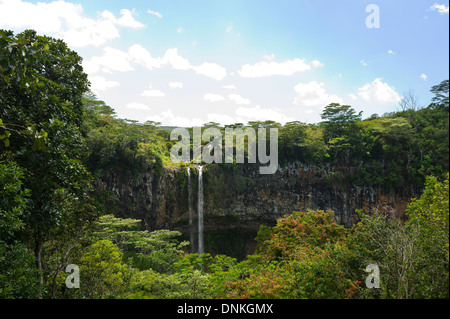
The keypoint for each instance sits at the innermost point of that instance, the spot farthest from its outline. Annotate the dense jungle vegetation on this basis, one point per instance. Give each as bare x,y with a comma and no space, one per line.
56,137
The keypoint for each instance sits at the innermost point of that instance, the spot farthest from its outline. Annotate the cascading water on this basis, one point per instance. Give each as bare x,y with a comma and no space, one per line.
191,210
200,210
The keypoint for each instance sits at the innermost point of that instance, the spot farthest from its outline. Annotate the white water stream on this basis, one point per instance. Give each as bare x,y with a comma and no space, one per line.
200,210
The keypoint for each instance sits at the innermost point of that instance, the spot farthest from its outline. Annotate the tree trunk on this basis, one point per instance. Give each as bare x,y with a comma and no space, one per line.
38,252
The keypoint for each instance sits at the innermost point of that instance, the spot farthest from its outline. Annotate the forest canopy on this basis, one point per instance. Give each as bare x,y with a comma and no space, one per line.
56,138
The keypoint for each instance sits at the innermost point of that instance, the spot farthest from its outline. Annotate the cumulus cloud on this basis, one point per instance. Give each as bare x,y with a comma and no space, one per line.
379,91
211,70
121,61
423,76
126,20
99,83
271,68
172,58
313,94
223,119
441,8
111,60
258,113
167,117
213,98
66,21
138,55
233,98
317,64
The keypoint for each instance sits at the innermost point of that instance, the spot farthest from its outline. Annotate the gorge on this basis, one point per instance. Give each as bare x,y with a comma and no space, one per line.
233,201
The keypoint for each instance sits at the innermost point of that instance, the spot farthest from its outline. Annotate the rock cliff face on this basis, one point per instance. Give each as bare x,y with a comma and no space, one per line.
237,200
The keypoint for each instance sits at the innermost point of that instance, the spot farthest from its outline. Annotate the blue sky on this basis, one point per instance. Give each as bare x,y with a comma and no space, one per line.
185,63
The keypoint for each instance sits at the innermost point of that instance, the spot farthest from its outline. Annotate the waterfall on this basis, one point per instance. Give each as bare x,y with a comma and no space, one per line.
200,210
191,210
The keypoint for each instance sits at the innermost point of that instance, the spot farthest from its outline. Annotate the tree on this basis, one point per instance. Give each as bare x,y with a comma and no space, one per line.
393,246
17,278
303,256
340,115
441,98
42,83
104,274
430,213
157,250
343,132
409,102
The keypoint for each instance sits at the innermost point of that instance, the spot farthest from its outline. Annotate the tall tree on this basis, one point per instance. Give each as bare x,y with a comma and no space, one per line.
342,130
42,83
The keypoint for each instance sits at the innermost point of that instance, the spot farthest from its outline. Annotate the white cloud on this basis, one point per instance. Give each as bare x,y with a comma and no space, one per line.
353,96
120,61
364,63
379,91
168,118
441,8
176,85
236,98
229,28
230,87
65,20
257,113
140,56
213,98
269,57
211,70
265,68
180,29
391,52
175,60
159,15
423,76
317,64
111,60
152,92
138,106
126,20
99,83
223,119
314,94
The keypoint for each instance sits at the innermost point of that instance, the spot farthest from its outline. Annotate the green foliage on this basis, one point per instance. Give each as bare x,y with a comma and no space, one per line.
104,273
152,285
430,214
17,275
303,256
42,84
13,200
301,233
122,145
158,250
414,256
54,133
